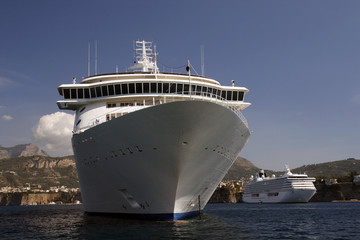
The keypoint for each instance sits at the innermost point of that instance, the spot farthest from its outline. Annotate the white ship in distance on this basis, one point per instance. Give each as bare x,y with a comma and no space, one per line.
289,188
151,144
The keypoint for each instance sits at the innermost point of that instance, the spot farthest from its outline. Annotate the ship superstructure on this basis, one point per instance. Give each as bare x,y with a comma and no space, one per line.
290,188
153,144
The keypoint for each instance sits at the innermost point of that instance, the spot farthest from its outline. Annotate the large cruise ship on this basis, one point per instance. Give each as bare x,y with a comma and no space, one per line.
151,144
289,188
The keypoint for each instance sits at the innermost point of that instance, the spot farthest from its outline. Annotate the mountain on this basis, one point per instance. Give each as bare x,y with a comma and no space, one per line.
43,170
330,169
22,150
27,163
242,168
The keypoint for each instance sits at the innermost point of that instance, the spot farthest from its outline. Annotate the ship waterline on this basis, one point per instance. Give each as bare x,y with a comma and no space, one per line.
160,160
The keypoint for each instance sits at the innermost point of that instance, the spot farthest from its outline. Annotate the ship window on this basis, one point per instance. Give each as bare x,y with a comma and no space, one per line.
104,90
165,87
179,88
92,91
124,88
214,92
241,96
204,90
218,92
98,91
198,90
173,88
228,95
139,88
235,96
111,89
131,88
80,92
146,87
73,93
186,88
111,105
223,95
153,87
117,89
210,92
160,88
193,89
66,93
86,93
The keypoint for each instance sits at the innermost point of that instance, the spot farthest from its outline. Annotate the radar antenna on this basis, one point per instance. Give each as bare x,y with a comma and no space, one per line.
145,59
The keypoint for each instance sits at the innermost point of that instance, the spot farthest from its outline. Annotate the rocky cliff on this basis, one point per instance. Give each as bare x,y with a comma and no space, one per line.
22,150
39,170
17,199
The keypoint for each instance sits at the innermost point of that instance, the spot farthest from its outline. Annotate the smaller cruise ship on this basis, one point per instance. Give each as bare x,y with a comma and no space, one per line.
289,188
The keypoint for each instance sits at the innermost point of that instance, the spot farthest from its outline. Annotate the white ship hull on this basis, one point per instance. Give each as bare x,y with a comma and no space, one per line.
161,162
288,196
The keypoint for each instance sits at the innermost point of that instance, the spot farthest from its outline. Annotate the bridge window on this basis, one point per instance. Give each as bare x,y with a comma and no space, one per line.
209,92
98,92
92,91
204,90
172,87
160,88
146,87
66,93
186,88
235,96
117,89
223,95
131,88
111,90
166,88
228,95
80,92
198,90
153,87
139,88
73,93
179,88
104,90
241,96
86,93
124,88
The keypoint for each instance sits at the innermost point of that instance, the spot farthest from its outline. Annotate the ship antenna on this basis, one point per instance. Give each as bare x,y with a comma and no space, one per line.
95,57
155,62
202,60
89,59
188,70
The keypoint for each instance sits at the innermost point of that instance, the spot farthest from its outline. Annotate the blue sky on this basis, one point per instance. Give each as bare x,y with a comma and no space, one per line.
299,59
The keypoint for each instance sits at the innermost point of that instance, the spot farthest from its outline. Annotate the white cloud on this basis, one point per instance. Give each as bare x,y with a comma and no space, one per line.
7,117
6,82
55,131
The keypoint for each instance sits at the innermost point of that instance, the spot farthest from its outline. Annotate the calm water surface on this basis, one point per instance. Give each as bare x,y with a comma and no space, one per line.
220,221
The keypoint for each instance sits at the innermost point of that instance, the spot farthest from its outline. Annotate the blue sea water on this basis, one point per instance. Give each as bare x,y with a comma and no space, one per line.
219,221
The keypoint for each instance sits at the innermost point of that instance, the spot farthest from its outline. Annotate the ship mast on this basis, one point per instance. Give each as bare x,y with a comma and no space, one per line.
144,57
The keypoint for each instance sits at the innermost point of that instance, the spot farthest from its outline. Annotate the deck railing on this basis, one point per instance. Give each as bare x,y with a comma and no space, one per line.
166,98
